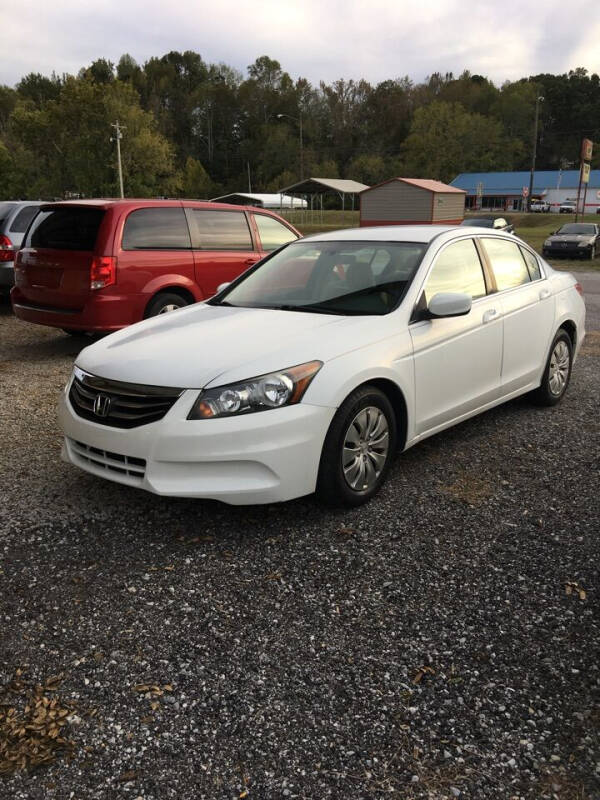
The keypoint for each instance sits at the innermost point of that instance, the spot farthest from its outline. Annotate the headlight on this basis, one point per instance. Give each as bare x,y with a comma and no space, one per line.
274,390
584,244
548,243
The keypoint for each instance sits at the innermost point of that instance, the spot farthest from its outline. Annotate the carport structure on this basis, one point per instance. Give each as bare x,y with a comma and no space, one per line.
314,189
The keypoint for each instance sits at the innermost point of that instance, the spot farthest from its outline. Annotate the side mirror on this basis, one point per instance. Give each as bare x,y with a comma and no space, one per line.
222,286
449,304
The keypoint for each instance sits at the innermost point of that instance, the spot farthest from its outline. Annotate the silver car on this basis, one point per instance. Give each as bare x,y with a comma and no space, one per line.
15,217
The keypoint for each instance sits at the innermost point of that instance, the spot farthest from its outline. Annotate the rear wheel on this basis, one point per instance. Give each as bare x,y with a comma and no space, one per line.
358,449
165,302
558,371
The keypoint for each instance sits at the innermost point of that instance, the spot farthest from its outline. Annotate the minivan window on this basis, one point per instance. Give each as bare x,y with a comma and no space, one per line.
219,230
156,229
457,269
507,262
21,222
73,228
5,209
272,233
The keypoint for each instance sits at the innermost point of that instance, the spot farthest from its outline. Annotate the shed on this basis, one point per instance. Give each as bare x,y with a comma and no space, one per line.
261,200
410,201
314,189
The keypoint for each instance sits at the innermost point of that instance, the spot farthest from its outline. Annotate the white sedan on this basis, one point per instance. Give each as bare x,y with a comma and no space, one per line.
312,369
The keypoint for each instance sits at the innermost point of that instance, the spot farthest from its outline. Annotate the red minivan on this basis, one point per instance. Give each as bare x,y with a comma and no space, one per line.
99,265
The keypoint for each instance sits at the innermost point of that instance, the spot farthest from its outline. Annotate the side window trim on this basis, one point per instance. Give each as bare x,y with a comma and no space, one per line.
488,272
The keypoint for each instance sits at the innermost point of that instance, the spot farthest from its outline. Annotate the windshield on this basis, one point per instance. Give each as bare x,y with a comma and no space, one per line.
479,223
330,278
578,227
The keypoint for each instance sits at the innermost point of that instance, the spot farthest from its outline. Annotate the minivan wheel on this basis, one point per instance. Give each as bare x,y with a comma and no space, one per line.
557,372
165,302
358,449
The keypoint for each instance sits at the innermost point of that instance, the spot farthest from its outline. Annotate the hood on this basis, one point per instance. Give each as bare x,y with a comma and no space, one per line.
192,347
572,237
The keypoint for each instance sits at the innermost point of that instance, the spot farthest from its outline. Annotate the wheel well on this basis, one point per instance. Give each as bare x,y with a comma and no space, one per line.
178,290
571,329
396,398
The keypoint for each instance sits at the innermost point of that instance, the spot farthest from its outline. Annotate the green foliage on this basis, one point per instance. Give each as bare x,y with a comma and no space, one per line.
193,128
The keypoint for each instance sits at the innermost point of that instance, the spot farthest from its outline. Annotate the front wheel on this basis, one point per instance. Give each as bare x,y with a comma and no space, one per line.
557,373
358,449
592,255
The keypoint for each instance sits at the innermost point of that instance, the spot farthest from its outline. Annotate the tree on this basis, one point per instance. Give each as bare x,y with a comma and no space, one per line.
196,180
445,140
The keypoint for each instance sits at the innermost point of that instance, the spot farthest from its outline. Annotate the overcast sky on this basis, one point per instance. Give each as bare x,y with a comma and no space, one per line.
315,39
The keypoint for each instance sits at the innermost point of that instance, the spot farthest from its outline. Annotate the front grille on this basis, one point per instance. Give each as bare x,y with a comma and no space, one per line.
119,404
111,462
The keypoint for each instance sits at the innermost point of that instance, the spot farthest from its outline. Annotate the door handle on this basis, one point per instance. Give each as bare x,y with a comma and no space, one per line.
250,261
489,315
544,293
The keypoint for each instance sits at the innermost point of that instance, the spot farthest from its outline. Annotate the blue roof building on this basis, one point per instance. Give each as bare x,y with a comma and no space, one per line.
504,190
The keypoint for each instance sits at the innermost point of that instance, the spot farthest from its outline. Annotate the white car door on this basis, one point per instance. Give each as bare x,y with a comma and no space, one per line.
457,360
528,312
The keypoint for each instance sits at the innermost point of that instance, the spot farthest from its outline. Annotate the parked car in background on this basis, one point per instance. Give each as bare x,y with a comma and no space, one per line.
573,240
539,207
311,370
496,223
100,265
15,217
567,207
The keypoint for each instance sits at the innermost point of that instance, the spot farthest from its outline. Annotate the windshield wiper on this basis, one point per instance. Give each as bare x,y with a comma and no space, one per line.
309,309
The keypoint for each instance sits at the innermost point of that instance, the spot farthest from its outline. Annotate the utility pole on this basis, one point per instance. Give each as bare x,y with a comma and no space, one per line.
299,121
539,99
117,137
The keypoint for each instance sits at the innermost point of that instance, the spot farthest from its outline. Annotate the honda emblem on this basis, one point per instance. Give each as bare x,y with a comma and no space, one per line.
102,405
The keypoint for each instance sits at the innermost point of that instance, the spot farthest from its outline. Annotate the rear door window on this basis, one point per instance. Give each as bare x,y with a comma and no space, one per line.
74,228
272,232
156,229
219,230
21,222
508,264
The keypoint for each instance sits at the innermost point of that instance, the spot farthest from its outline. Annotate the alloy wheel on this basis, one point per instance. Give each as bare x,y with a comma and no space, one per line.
558,373
366,447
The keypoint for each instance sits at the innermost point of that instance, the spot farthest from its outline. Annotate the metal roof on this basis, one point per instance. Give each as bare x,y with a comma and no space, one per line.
322,185
512,183
266,200
424,183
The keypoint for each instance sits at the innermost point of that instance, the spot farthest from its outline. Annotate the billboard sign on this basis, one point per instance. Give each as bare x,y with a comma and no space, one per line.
586,149
585,172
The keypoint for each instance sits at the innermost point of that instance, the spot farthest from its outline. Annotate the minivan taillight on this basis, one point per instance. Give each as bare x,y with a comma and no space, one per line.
103,272
7,249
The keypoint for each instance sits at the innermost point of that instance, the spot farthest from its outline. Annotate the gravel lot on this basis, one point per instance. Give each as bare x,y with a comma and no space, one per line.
441,642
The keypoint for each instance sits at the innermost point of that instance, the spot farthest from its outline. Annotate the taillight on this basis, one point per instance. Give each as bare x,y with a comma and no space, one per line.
7,249
579,288
103,272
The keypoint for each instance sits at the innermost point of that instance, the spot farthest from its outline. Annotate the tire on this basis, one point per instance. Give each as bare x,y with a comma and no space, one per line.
347,480
165,302
592,254
557,372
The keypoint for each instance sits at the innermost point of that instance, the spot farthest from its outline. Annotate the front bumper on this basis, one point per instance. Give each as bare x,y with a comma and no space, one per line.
571,251
265,457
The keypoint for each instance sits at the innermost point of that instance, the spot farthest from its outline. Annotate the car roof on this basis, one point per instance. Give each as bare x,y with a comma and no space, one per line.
131,203
398,233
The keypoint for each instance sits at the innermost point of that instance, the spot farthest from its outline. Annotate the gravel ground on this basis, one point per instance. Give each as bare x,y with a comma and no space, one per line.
441,642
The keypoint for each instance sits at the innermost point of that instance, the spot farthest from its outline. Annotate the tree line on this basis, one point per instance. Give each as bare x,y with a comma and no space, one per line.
193,129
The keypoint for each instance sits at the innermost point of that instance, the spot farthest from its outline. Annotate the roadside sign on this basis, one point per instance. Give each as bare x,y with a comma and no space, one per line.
525,191
587,147
585,172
